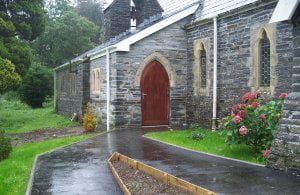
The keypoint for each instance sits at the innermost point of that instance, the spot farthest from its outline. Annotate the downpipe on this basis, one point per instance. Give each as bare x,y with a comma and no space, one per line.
215,78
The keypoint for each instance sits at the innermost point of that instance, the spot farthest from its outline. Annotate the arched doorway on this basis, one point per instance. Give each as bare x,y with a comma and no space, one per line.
155,95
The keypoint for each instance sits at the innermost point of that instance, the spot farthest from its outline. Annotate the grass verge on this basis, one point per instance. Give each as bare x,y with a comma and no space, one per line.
15,171
213,143
16,117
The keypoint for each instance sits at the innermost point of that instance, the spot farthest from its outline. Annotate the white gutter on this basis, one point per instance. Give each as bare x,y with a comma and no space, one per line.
74,61
55,90
214,119
107,90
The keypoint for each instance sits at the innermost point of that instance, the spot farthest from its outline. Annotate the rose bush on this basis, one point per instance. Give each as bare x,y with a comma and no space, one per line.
253,122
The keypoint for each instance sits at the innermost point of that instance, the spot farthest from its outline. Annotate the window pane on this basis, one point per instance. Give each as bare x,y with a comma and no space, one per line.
203,67
265,61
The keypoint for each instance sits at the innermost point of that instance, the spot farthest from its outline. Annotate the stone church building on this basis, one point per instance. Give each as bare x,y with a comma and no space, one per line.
188,66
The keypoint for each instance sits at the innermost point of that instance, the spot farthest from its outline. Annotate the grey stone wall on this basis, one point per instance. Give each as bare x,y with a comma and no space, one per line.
76,93
235,59
117,18
285,151
98,100
146,8
125,94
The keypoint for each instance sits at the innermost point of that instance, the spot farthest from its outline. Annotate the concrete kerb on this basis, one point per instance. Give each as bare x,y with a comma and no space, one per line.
30,182
214,155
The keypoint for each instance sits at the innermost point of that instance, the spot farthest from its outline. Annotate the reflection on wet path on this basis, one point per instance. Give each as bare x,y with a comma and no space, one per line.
82,169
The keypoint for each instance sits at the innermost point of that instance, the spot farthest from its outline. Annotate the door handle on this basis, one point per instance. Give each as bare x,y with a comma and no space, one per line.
143,94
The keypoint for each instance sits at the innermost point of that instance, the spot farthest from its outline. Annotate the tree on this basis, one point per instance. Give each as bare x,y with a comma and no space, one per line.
36,86
65,38
9,79
17,51
20,21
26,16
57,8
93,11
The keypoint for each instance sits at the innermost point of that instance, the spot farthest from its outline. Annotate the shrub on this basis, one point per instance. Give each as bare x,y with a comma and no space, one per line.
5,146
9,79
253,122
89,119
36,86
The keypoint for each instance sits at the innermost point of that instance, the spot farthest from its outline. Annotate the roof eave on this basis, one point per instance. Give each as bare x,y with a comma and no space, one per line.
284,10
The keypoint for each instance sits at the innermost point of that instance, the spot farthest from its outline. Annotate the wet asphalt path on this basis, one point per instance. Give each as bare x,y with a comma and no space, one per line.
82,169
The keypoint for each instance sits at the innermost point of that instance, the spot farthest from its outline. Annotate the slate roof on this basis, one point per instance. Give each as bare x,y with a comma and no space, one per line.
211,8
207,9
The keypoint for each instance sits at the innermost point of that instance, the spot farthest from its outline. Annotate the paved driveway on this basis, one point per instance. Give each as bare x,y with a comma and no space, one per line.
82,169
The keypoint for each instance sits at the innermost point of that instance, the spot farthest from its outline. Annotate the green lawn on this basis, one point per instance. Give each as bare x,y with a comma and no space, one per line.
16,117
15,171
213,142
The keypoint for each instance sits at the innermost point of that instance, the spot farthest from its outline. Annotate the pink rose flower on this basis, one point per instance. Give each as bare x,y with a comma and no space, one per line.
262,117
249,97
245,97
283,95
243,131
266,153
235,109
237,119
255,105
242,113
252,96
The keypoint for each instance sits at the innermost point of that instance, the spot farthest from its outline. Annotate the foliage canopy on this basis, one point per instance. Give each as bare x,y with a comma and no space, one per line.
8,77
20,21
65,38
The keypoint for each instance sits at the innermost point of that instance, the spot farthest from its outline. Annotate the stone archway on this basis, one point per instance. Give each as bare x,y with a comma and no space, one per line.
163,61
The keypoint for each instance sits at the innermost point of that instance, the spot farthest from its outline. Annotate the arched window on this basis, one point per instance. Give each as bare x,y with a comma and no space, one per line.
97,80
94,80
203,66
264,70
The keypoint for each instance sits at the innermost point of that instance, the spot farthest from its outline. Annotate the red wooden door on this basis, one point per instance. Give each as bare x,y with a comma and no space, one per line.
155,89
